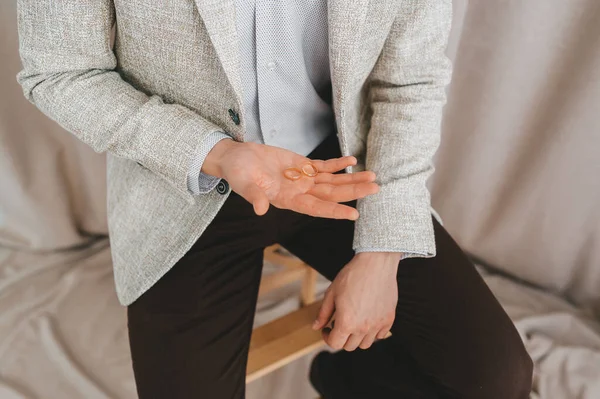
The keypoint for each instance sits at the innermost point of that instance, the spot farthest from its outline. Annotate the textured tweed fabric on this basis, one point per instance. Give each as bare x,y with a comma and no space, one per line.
173,78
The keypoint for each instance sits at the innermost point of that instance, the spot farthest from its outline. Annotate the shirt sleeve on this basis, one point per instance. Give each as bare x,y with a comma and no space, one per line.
405,254
197,181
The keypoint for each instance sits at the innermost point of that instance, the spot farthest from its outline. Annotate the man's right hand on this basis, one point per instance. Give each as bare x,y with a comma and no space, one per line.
255,171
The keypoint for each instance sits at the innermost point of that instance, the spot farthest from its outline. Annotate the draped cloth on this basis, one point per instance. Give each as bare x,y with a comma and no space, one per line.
517,184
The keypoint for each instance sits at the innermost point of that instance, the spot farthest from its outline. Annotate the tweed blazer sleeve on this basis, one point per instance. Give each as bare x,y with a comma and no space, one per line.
407,93
69,74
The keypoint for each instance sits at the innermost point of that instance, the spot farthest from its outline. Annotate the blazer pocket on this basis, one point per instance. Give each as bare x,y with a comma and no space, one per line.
149,174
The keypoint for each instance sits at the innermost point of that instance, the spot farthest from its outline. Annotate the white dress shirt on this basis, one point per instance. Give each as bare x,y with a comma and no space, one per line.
284,69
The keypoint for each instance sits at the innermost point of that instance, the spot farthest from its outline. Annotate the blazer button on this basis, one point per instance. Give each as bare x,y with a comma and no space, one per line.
235,117
222,187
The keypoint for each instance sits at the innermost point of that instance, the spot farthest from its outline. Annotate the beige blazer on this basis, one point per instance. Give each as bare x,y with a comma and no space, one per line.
172,78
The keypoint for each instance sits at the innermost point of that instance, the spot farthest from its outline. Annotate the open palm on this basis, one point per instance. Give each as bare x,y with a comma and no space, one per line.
255,171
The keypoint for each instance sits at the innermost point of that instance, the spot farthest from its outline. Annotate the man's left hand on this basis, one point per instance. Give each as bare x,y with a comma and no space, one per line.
363,298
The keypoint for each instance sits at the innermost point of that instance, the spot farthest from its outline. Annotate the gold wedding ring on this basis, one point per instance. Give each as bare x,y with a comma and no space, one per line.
308,169
292,173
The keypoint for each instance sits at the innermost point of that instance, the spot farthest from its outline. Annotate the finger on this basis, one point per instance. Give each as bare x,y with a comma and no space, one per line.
384,333
257,197
345,193
334,165
367,341
313,206
345,178
335,338
353,342
325,312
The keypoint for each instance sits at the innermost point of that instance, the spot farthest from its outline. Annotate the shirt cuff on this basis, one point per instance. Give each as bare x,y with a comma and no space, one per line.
198,182
405,254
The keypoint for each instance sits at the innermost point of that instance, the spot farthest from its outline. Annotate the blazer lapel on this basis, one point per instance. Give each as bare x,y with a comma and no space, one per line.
346,27
346,20
219,18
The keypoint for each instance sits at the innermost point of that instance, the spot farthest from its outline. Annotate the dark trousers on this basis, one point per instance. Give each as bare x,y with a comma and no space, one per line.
190,332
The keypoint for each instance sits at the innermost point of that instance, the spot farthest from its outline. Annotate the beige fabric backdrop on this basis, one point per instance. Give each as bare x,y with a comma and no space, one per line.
517,184
518,171
52,187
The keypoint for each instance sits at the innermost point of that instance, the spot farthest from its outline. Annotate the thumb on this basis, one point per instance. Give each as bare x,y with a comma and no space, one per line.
258,199
326,311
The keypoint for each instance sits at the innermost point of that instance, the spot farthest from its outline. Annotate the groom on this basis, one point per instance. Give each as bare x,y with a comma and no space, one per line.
201,105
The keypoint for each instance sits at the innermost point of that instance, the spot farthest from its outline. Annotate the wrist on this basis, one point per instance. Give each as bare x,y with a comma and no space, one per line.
389,259
213,162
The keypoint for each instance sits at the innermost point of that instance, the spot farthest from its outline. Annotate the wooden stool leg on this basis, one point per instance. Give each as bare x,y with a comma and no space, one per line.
309,286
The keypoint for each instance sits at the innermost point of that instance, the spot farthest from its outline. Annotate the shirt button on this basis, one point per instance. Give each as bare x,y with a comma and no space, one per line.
271,65
222,187
272,132
235,117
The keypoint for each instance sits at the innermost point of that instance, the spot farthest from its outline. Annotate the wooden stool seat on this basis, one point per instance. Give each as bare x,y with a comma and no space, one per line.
282,341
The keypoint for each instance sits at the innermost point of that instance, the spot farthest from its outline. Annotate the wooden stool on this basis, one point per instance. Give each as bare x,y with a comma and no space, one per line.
287,338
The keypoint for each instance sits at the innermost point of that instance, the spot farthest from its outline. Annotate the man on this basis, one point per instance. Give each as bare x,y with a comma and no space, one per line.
202,106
